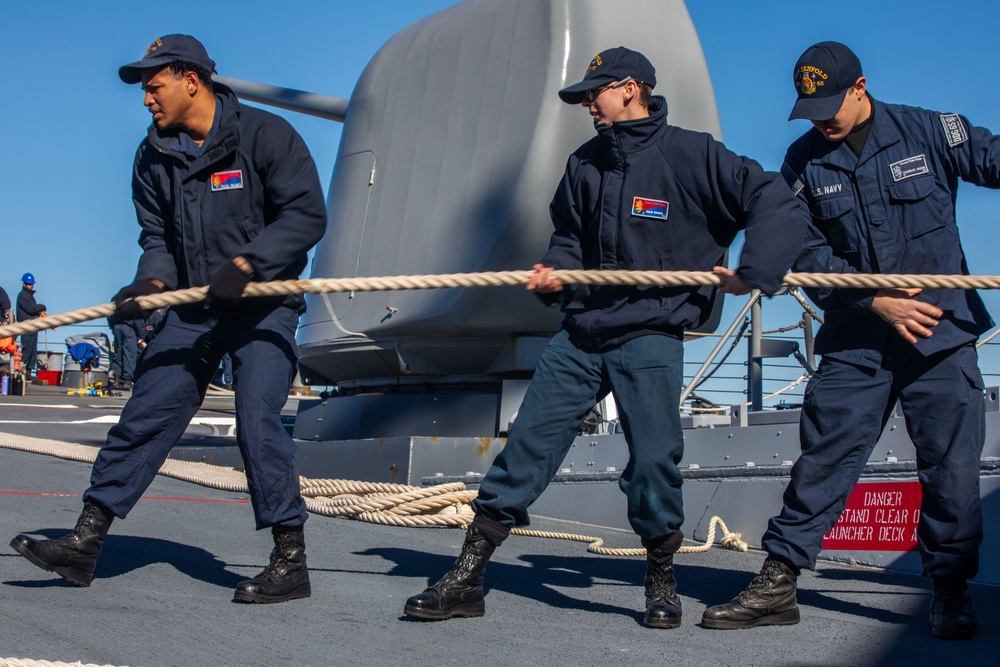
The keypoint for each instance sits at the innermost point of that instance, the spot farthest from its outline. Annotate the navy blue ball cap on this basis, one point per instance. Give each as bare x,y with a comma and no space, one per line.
609,66
165,50
822,76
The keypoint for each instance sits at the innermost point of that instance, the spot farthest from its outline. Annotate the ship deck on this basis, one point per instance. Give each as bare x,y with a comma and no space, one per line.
163,588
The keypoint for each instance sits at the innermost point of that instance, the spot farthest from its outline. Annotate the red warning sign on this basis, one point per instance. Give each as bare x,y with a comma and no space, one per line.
879,516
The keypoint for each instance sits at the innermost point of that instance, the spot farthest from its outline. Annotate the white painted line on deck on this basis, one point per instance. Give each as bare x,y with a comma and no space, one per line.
39,405
107,419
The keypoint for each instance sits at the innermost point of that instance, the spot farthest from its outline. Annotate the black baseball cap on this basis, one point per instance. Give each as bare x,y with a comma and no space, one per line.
822,76
164,51
608,66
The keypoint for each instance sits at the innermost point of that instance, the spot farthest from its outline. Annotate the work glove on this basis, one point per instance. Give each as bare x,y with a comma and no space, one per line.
227,286
125,306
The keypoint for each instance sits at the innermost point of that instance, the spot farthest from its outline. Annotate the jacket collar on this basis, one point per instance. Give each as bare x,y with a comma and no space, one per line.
630,136
221,140
882,134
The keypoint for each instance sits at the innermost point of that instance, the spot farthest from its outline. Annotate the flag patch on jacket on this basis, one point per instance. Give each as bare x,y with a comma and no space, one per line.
227,180
650,208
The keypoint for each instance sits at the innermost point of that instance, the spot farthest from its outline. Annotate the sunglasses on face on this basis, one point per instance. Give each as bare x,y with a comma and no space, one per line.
590,95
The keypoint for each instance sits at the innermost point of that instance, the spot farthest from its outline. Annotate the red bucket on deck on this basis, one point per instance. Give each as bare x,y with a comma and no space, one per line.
52,377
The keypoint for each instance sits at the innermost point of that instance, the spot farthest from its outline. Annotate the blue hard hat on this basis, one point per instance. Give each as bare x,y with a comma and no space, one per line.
28,279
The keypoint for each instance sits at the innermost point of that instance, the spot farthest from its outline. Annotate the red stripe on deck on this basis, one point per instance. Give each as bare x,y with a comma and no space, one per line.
77,495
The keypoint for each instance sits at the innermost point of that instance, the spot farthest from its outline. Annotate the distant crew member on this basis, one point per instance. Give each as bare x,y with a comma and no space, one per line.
225,194
5,312
125,352
29,309
880,180
644,195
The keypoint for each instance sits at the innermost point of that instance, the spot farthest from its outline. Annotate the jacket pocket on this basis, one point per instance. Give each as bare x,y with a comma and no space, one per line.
835,220
918,216
974,376
248,229
666,264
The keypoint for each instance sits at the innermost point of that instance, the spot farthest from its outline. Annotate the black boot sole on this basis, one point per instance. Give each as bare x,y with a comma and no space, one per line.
662,623
958,634
790,617
302,591
467,610
22,545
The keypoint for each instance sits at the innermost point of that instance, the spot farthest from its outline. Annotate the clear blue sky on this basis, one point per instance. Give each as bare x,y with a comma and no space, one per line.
71,127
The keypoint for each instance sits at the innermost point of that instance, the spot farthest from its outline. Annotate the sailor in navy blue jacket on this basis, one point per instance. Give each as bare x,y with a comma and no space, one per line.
891,210
224,194
880,182
251,191
641,195
631,199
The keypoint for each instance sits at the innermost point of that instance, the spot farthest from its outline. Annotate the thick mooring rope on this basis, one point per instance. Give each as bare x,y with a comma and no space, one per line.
505,278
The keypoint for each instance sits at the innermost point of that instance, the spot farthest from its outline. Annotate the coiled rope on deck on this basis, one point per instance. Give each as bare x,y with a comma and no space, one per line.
374,502
730,540
506,278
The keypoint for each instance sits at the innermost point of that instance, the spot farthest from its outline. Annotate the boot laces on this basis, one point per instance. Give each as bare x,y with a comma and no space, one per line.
88,519
768,574
659,581
467,566
278,564
953,600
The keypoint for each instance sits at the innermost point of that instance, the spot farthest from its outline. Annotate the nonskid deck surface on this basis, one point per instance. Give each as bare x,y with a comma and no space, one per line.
163,590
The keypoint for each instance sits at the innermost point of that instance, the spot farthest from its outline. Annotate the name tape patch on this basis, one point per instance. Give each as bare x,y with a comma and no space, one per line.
908,168
954,129
650,208
227,180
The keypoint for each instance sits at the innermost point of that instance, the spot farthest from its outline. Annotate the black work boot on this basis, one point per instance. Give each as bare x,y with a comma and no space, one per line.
286,577
952,615
460,590
768,600
663,606
74,556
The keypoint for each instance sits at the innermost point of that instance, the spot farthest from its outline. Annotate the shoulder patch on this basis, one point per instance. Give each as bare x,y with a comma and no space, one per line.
793,180
954,129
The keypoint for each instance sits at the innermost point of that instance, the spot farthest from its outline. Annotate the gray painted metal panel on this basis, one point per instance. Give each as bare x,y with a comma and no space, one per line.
465,414
460,114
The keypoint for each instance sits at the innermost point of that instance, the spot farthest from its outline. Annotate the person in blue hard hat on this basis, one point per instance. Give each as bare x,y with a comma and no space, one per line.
644,195
29,309
880,182
225,194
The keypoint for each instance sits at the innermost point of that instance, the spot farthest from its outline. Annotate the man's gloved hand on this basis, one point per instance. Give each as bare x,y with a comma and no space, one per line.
227,285
125,306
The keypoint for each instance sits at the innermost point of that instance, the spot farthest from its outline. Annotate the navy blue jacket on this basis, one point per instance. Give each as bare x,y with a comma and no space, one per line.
703,195
891,210
253,191
4,302
27,307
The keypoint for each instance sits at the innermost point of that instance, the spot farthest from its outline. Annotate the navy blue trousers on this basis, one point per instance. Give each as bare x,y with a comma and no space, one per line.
29,353
644,375
126,351
845,409
173,375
